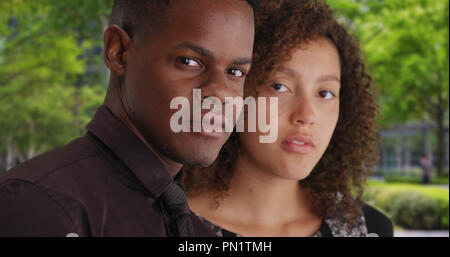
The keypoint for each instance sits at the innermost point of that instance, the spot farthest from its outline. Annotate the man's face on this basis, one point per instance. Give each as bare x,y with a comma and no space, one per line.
203,44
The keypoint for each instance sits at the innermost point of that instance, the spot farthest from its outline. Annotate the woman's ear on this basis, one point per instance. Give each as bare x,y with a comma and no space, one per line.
117,44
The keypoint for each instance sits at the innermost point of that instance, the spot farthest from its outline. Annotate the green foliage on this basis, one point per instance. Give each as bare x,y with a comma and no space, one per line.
405,43
406,49
416,211
411,206
46,92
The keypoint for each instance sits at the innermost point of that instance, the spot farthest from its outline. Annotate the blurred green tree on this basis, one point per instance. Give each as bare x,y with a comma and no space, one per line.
405,43
50,72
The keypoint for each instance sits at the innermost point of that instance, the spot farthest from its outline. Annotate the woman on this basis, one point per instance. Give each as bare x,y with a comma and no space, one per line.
308,182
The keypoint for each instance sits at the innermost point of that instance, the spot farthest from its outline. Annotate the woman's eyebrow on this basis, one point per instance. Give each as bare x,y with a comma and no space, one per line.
288,71
325,78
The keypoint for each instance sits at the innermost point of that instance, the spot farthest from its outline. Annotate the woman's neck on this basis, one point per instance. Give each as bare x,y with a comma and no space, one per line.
259,201
263,197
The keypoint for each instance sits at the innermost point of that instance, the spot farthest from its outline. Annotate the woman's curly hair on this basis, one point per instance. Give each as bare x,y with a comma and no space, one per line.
336,183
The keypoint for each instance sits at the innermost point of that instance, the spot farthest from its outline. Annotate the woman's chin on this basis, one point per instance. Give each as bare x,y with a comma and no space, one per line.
295,174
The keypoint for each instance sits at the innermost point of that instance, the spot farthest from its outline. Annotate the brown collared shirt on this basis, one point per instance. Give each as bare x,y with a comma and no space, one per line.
106,183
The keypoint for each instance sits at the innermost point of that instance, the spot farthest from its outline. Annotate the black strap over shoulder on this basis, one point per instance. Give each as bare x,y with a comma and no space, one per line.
377,222
325,230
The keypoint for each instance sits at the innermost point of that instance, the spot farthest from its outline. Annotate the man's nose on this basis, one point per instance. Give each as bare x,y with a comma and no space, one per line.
217,85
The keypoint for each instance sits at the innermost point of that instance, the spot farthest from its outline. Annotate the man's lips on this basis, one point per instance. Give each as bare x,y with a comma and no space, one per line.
207,129
300,144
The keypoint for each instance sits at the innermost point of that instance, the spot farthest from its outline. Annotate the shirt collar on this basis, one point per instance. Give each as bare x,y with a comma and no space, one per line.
131,151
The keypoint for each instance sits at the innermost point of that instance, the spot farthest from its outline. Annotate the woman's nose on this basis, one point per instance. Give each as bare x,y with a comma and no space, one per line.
303,112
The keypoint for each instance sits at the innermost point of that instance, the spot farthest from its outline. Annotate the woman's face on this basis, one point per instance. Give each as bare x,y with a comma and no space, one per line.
307,88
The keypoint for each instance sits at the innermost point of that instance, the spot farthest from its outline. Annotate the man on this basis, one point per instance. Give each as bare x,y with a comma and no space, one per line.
123,177
426,165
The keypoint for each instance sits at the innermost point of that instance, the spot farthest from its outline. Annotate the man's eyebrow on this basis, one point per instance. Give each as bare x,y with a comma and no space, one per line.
196,48
242,61
207,53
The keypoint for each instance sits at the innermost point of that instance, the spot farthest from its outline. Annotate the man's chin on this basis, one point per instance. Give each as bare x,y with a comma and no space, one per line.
202,160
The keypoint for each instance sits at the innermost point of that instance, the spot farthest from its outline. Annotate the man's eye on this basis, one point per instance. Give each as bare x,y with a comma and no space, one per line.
189,61
279,87
325,94
236,72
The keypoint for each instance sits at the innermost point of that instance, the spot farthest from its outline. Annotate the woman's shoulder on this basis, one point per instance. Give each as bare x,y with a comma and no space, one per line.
370,222
377,223
220,232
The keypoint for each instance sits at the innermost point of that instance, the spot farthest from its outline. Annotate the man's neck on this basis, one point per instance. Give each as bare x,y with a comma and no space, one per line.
114,102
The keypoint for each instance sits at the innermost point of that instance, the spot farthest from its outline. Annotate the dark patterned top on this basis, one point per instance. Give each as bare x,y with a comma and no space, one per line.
371,223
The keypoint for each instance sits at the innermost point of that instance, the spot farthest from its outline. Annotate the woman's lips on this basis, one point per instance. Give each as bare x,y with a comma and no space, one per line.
298,144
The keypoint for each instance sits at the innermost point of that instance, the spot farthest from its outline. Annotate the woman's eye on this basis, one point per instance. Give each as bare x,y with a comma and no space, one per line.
325,94
189,61
279,87
236,72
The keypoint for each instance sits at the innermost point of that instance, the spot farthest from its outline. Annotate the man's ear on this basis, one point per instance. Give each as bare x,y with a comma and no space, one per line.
117,44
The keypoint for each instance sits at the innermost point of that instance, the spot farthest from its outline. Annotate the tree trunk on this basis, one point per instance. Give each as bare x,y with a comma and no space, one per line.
398,155
31,149
440,137
9,153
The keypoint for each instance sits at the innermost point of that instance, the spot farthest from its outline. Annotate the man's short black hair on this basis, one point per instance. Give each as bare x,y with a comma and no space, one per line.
128,14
